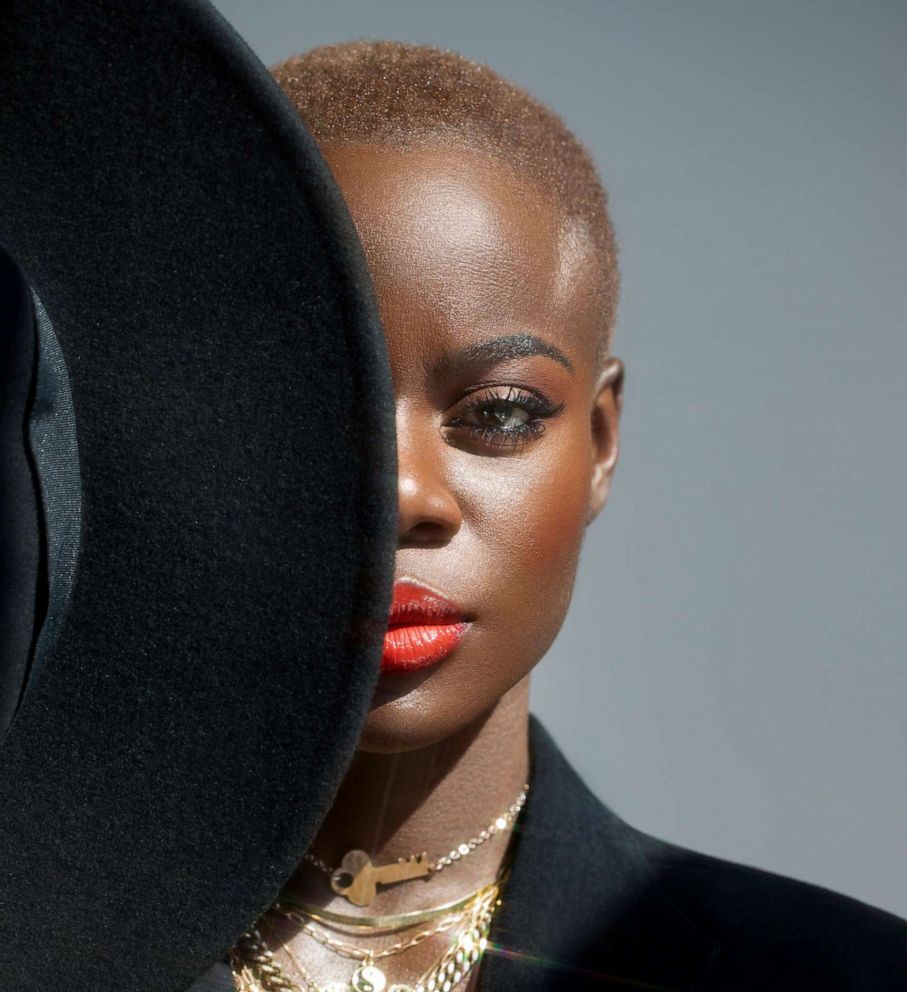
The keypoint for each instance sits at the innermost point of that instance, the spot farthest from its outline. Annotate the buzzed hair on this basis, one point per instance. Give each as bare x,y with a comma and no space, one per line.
404,95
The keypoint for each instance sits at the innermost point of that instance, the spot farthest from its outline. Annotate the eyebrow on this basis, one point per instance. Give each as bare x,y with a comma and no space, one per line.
499,349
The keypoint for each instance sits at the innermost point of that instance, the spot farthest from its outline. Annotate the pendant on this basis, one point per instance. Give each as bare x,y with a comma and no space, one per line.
368,978
357,878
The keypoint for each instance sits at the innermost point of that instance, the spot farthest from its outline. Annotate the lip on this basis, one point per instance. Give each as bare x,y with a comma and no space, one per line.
423,628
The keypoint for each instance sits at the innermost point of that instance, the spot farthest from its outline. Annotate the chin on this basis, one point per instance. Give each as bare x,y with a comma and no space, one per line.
405,723
417,710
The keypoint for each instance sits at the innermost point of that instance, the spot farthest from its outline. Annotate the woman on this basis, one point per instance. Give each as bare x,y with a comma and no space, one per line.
208,424
494,263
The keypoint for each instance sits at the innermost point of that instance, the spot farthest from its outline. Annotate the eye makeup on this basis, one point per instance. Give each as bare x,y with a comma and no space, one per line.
504,416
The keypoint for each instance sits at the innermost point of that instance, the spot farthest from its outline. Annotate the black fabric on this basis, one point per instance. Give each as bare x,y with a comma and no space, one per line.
234,424
22,583
582,908
594,905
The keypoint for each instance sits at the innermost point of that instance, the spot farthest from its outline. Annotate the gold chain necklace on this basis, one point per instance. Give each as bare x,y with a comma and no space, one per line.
374,924
348,950
357,879
256,970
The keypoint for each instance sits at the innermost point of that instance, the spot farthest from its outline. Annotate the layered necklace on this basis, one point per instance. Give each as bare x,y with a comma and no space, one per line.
256,969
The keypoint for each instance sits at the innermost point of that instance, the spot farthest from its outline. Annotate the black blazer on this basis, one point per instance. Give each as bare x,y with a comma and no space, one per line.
593,904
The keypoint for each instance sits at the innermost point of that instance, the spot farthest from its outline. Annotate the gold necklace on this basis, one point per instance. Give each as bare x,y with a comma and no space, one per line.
357,879
256,970
373,924
348,950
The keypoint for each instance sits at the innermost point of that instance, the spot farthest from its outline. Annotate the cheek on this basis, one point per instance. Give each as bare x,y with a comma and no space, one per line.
527,515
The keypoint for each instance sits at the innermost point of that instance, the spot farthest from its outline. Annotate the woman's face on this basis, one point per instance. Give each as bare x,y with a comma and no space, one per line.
505,452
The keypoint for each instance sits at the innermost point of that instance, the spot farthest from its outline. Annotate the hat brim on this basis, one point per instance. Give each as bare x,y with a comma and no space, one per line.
233,410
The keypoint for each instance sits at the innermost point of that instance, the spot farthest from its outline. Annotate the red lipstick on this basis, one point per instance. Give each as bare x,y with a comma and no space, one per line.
422,628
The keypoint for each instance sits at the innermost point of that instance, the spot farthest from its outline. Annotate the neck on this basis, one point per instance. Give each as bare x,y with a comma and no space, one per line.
428,799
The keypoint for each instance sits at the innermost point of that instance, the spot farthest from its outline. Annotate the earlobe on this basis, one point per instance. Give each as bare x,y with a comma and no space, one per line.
605,420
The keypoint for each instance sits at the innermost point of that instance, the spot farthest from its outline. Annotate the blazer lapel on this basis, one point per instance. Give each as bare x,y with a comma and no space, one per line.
582,908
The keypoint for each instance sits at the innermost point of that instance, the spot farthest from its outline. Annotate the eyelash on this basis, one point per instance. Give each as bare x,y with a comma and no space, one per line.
504,437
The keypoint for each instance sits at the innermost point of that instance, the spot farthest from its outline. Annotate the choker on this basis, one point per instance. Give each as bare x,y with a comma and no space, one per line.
357,878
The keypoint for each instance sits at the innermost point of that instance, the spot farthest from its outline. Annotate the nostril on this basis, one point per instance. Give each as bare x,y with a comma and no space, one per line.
427,533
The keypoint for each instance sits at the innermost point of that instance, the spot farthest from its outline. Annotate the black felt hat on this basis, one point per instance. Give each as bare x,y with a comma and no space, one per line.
198,495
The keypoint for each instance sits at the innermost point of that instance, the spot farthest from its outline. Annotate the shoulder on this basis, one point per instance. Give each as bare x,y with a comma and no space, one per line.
592,901
778,932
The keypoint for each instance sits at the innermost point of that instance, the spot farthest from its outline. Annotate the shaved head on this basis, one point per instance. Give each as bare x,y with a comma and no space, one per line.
407,96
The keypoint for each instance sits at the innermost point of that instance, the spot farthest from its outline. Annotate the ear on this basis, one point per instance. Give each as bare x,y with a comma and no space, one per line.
605,417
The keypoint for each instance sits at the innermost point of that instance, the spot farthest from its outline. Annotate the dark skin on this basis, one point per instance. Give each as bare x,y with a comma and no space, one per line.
503,461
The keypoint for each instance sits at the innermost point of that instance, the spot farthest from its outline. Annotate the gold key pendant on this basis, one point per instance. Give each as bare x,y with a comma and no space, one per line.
357,878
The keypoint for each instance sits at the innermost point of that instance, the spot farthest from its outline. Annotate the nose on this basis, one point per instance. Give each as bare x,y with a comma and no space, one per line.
428,513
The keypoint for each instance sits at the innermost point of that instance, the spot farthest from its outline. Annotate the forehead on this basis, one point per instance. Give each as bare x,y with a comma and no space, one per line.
459,243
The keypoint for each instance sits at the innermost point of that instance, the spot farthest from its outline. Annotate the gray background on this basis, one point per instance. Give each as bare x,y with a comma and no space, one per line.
731,675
